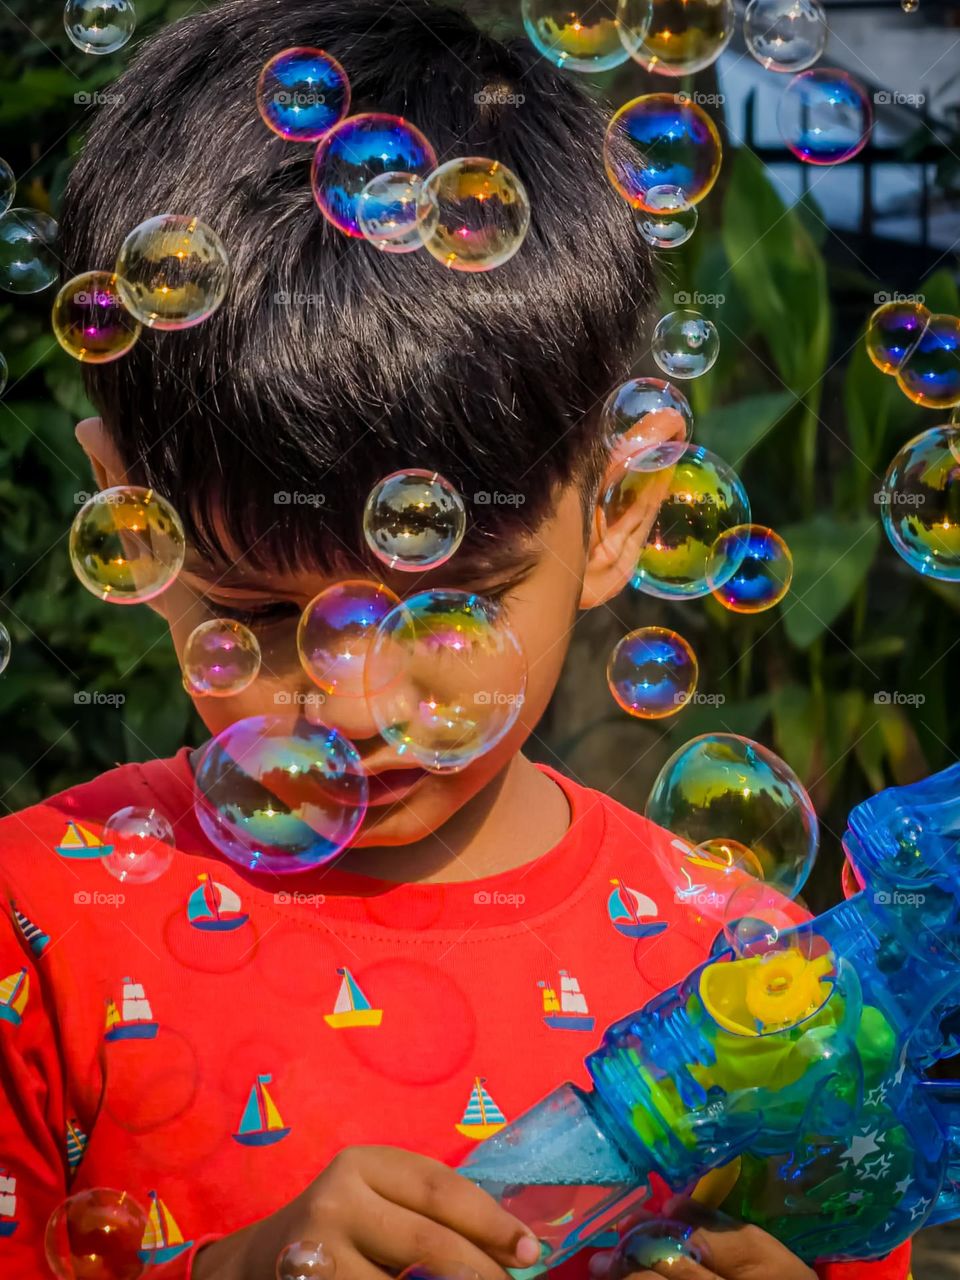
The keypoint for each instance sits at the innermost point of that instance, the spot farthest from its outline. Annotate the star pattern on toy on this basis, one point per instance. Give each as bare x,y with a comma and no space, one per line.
875,1169
861,1146
919,1209
878,1095
855,1197
903,1186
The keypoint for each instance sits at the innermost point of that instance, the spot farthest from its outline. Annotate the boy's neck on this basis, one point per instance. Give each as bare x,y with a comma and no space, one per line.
520,815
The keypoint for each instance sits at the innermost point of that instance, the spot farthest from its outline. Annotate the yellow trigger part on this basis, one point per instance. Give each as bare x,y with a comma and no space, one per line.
714,1187
761,994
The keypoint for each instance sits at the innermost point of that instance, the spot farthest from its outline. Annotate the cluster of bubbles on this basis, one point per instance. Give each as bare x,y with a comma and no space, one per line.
920,496
375,176
686,516
920,349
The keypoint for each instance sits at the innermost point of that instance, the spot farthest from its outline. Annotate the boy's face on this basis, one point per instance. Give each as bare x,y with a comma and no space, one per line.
544,578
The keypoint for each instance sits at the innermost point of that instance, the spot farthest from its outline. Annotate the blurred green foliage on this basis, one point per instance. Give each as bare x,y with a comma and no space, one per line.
793,402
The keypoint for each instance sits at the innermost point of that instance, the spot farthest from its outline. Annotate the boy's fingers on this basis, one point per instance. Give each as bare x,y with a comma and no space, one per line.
352,1265
396,1237
733,1248
429,1188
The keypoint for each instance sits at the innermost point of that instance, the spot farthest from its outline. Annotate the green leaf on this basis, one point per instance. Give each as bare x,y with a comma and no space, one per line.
831,558
940,292
744,717
734,429
795,727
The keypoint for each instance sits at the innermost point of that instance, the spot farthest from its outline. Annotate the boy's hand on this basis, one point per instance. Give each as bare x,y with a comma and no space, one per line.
728,1251
376,1210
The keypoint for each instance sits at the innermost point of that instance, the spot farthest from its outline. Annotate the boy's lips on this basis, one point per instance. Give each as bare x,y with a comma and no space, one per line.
393,784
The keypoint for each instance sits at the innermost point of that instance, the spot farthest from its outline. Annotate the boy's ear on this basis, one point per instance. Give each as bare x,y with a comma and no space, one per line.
615,546
105,461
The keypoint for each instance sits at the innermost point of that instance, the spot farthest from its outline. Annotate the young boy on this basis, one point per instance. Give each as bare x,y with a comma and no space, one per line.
222,1090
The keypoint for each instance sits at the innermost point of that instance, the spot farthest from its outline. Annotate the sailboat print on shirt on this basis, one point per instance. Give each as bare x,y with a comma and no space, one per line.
352,1008
8,1204
261,1124
215,908
35,938
135,1021
78,842
162,1239
76,1144
14,994
626,909
570,1012
482,1117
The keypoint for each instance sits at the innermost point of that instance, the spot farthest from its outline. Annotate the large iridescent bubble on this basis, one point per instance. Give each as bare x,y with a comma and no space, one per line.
662,140
302,92
96,1234
90,321
357,150
764,568
172,271
685,344
652,673
414,520
99,26
277,794
692,497
785,35
920,503
929,373
446,678
721,786
474,214
28,251
127,544
593,35
825,116
643,412
336,631
684,36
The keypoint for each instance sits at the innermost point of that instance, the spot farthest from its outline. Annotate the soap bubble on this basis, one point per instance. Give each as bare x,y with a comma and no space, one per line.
756,915
785,35
141,843
662,140
729,857
686,37
96,1235
591,36
652,1243
90,321
4,373
920,503
99,26
909,6
28,257
685,344
825,116
414,520
627,420
389,212
673,224
302,92
893,331
172,271
929,374
652,673
277,794
6,646
8,185
335,633
697,496
445,678
764,568
221,658
305,1260
357,150
474,214
127,544
721,785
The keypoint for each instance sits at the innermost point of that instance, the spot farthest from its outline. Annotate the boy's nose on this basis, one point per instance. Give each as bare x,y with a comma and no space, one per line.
351,716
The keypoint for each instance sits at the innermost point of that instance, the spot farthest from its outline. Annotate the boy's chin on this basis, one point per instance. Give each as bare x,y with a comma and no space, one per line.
424,810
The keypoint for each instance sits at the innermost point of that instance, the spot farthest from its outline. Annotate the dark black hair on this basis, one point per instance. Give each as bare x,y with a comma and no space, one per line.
391,360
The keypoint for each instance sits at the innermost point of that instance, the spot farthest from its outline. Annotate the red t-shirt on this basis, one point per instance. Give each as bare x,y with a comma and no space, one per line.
210,1040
